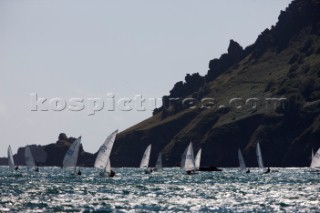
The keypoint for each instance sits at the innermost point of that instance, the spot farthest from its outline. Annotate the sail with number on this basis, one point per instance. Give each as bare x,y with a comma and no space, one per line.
189,162
30,163
71,158
241,161
146,157
105,151
10,159
159,162
198,159
315,163
259,156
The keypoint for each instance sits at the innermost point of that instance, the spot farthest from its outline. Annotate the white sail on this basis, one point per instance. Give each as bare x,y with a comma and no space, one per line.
198,159
10,159
71,158
315,164
31,164
189,162
146,157
241,161
108,167
159,162
183,158
259,156
105,151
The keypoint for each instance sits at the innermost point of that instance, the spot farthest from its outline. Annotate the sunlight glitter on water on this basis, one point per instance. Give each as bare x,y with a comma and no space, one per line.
294,189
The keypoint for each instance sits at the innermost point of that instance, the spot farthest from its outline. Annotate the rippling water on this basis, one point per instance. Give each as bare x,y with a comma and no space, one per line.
293,189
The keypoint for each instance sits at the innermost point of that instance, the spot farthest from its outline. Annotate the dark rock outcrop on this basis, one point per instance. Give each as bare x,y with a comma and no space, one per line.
52,154
218,66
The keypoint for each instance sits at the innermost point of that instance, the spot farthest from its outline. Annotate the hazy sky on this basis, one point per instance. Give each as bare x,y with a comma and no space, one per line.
86,49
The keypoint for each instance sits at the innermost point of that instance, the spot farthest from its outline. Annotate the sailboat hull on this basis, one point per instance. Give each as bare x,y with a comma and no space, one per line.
315,170
148,171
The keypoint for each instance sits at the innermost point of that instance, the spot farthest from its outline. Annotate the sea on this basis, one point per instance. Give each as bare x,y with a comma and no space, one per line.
170,190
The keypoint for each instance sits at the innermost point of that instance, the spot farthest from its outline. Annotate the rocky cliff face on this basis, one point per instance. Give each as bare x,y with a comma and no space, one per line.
284,62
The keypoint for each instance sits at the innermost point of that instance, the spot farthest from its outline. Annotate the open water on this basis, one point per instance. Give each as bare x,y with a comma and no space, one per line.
54,190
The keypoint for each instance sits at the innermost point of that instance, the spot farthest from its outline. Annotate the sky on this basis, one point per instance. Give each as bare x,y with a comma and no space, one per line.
68,51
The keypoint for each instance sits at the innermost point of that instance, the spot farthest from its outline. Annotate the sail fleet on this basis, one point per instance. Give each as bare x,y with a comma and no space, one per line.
189,163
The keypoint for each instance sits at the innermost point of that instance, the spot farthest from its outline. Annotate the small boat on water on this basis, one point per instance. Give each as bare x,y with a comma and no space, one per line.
260,160
203,168
30,163
242,163
12,166
158,166
144,164
315,161
187,162
103,158
71,157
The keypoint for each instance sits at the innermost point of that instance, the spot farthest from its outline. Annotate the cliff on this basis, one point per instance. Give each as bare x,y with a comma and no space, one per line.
284,62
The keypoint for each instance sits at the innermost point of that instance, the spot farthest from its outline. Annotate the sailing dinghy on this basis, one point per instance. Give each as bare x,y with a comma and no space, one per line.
158,166
242,163
188,161
315,163
144,164
71,158
12,167
103,158
260,159
30,163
